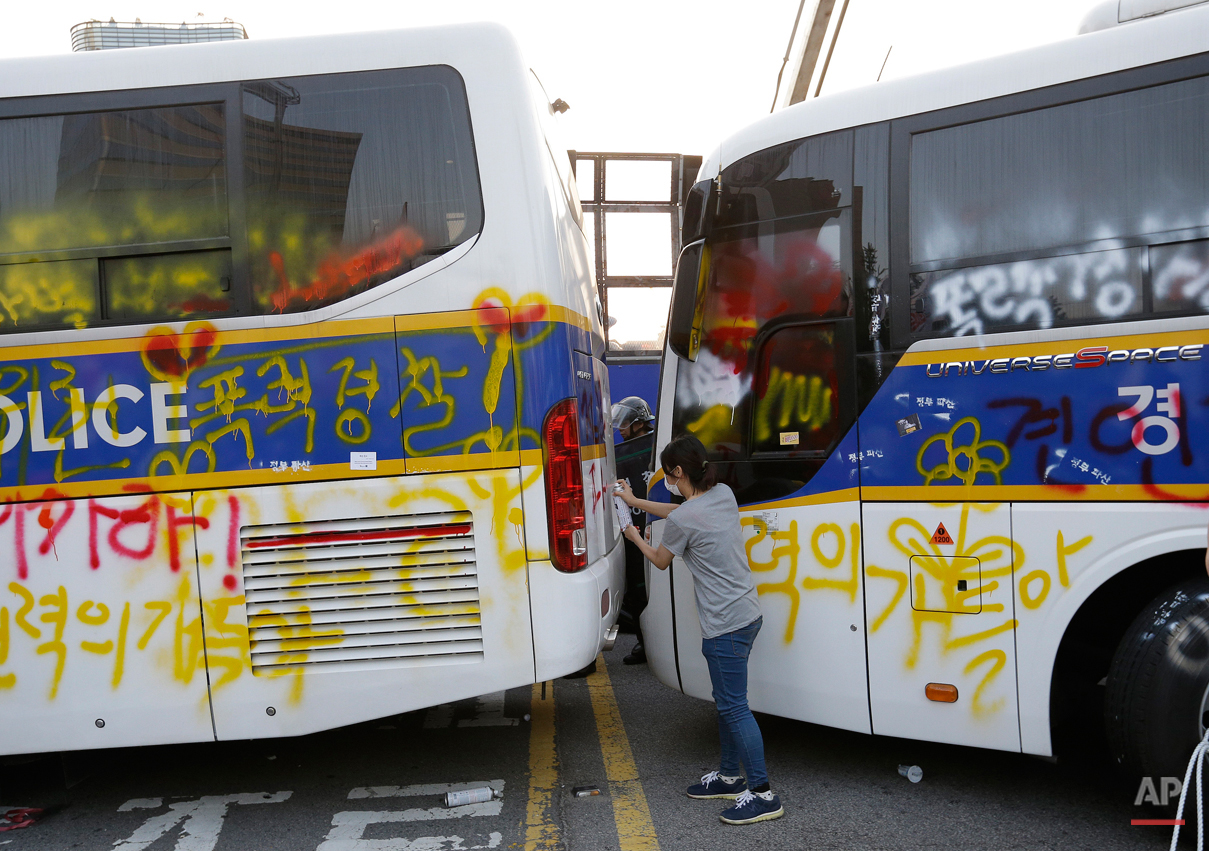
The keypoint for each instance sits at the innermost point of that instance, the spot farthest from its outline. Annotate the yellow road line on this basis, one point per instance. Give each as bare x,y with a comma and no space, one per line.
635,831
541,830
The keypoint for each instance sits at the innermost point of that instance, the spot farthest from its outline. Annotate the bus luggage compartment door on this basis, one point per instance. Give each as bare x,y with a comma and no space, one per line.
939,606
808,662
100,628
330,603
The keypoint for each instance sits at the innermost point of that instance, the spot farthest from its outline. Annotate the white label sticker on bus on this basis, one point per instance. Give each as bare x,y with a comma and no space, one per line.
363,460
789,438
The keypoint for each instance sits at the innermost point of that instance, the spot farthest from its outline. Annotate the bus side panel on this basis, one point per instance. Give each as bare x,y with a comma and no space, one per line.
658,625
940,608
567,635
100,625
457,390
808,662
1069,551
359,600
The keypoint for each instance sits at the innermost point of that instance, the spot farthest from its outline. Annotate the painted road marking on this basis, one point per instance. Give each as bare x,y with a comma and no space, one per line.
635,830
141,804
346,835
348,828
541,830
203,820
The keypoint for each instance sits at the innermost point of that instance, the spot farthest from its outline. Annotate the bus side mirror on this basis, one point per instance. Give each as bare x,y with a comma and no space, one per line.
688,300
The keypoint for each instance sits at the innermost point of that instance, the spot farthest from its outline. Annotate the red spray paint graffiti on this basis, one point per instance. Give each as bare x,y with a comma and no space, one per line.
336,275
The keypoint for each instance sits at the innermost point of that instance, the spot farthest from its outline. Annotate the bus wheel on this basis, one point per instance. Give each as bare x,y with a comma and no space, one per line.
1156,703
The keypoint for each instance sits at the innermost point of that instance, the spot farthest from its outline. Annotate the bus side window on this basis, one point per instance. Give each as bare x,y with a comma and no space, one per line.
796,389
1178,274
92,183
167,286
1012,226
802,391
354,179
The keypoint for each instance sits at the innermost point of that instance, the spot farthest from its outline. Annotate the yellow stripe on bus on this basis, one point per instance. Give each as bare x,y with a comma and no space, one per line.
1038,493
439,321
593,451
268,476
282,333
827,498
458,463
567,316
272,334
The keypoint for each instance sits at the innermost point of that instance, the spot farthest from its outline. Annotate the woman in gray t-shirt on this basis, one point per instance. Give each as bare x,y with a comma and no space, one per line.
704,532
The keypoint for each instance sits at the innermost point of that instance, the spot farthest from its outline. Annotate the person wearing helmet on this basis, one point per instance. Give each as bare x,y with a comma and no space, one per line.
632,418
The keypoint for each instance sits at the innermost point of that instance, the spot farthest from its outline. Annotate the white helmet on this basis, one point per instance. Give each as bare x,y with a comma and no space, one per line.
629,410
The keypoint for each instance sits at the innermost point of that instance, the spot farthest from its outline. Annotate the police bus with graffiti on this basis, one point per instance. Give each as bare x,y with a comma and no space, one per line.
945,337
303,420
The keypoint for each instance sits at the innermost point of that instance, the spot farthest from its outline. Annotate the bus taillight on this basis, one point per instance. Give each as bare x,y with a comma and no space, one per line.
565,488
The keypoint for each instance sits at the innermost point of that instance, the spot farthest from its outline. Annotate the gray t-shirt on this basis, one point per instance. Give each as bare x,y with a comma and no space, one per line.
705,532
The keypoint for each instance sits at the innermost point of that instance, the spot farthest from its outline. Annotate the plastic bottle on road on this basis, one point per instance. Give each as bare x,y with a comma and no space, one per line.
912,772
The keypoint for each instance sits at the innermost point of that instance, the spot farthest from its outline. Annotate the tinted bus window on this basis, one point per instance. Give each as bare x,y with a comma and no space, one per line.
353,179
1041,293
1179,276
112,178
99,180
759,274
804,176
1065,175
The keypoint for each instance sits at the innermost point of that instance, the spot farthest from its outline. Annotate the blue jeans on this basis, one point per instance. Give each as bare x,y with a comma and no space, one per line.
726,656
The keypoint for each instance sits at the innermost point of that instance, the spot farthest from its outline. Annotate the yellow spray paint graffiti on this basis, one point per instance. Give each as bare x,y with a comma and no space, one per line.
792,400
786,550
956,590
954,599
964,461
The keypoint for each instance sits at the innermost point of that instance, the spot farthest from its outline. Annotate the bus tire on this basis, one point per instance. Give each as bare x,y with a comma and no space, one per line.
1156,702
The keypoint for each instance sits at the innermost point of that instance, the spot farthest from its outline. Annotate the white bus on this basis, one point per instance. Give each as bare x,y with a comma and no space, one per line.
304,420
945,338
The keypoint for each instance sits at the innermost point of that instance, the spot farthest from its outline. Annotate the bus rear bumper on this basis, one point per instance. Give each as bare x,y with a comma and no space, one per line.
570,619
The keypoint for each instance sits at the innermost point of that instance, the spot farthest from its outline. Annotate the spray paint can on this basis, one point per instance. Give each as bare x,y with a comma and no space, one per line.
912,772
471,796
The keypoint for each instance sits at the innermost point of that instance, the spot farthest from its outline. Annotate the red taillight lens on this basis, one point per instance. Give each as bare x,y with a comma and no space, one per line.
565,488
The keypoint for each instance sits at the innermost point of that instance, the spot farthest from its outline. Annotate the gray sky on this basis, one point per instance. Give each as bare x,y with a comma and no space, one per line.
657,75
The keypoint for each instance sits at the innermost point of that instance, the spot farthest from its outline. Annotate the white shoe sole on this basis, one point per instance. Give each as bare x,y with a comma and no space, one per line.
730,796
762,817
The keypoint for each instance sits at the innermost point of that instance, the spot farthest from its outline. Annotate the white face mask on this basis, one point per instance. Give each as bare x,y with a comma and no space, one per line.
671,488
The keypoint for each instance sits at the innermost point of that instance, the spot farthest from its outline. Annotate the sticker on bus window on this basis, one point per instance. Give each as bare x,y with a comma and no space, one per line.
789,438
908,424
363,460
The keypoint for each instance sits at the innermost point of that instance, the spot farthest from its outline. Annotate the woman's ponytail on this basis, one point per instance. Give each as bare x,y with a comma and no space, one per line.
688,453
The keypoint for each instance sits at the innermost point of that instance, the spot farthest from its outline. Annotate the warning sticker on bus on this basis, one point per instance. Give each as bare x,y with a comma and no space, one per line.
941,535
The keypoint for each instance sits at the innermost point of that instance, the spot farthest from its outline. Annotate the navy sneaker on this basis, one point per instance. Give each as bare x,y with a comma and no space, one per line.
713,786
751,807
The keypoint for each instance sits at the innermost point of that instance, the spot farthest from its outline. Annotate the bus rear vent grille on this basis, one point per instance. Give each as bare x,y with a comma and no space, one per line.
374,592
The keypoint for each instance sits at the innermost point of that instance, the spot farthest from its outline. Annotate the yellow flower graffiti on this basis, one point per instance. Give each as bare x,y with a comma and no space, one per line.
964,460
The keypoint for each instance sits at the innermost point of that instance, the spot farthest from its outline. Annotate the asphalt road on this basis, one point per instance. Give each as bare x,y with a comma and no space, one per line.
378,786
